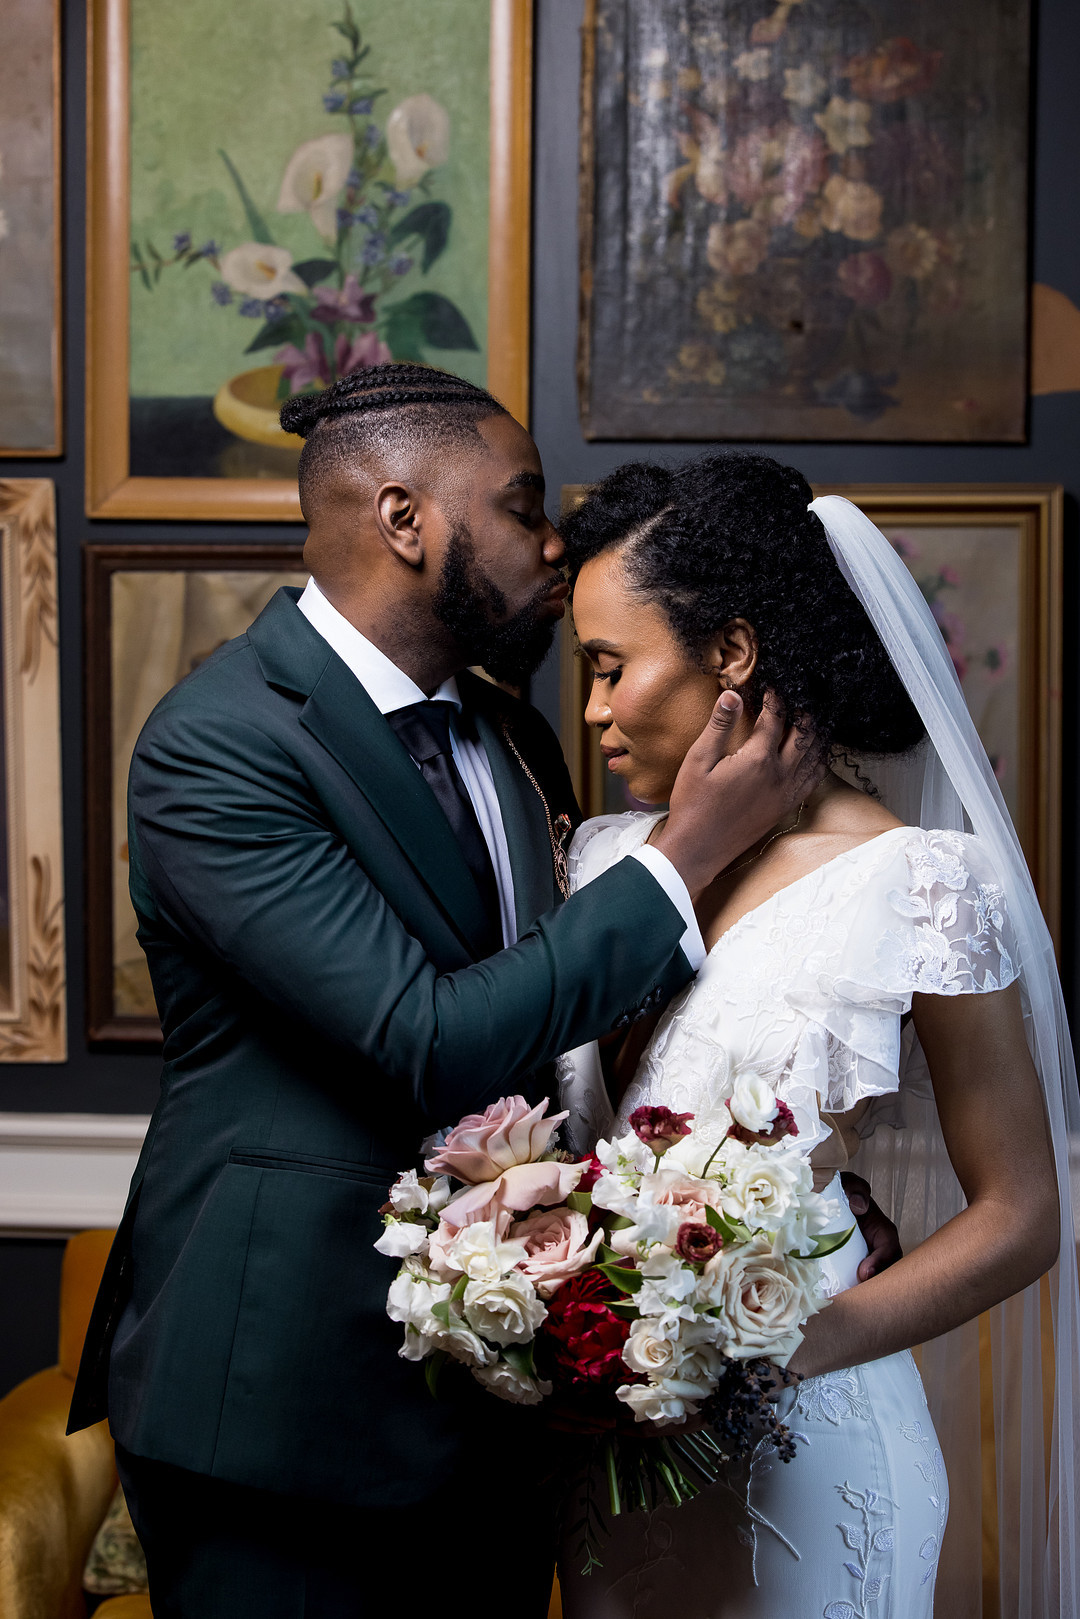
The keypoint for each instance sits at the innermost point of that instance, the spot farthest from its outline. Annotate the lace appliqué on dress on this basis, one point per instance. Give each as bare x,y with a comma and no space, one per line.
871,1545
932,1469
833,1397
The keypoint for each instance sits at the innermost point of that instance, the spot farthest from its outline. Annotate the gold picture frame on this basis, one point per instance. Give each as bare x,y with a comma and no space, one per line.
1030,593
111,489
33,1020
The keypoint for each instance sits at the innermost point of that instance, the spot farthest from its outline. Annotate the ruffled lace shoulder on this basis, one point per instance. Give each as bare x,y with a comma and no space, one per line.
601,842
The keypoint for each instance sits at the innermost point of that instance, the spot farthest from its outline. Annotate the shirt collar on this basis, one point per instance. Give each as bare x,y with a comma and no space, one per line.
389,687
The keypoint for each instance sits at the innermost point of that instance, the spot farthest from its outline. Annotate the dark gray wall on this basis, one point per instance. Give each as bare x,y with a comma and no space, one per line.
126,1082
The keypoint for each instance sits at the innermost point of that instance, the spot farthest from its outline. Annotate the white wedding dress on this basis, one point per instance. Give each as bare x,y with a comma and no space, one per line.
810,990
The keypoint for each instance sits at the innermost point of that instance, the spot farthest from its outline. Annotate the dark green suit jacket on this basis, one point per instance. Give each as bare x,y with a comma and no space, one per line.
311,928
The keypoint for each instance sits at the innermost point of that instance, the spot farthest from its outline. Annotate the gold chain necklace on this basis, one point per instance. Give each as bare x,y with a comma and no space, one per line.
558,831
782,833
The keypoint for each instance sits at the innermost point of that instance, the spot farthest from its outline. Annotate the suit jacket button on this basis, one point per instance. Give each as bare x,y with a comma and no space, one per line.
623,1022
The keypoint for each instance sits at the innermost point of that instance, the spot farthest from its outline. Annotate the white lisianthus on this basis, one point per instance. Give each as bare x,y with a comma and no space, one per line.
763,1299
764,1186
417,138
478,1254
753,1103
411,1195
462,1344
313,178
402,1238
502,1379
260,270
508,1311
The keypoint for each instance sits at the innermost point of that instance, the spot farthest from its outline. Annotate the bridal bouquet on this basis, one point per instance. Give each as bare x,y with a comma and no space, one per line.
663,1275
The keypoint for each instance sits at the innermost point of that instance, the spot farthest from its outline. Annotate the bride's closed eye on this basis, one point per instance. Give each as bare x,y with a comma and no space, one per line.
610,675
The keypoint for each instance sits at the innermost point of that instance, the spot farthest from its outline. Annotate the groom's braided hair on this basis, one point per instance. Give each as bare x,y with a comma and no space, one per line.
383,406
728,536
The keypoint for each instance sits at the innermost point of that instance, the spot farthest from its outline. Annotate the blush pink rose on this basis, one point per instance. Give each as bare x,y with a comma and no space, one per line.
521,1187
557,1244
483,1145
686,1197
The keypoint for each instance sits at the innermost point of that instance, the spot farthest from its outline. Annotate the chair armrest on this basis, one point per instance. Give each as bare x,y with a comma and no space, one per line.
55,1489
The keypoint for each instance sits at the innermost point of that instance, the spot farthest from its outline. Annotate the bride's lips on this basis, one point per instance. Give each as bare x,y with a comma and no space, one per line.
613,755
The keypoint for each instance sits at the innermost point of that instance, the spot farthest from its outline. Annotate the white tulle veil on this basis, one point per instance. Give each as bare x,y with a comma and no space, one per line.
1025,1462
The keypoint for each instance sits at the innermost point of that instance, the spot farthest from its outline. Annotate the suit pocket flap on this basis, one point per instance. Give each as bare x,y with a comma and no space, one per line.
309,1164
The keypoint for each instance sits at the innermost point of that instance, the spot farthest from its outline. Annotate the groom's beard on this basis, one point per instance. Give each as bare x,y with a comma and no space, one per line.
468,602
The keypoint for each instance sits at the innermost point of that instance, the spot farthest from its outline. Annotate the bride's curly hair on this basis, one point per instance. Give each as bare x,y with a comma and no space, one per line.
729,536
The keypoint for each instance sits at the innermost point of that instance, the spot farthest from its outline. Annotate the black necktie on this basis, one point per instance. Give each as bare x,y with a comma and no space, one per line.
424,728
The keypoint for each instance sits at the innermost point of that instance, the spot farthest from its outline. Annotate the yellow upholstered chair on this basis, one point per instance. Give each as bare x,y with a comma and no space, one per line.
55,1488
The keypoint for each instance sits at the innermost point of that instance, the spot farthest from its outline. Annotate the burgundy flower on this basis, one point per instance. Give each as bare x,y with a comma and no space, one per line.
783,1125
584,1334
895,69
592,1174
697,1242
865,278
659,1127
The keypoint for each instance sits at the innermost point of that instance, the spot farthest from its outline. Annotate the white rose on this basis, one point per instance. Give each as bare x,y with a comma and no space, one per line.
650,1350
478,1254
763,1299
461,1344
753,1103
507,1311
764,1186
402,1238
652,1402
502,1379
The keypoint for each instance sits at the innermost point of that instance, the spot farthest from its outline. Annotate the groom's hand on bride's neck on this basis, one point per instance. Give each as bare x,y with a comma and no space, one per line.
730,793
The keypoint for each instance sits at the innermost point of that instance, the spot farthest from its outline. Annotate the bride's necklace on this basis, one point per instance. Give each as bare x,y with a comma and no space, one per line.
781,832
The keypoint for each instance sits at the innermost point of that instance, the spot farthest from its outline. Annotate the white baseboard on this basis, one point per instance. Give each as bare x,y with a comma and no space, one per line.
65,1172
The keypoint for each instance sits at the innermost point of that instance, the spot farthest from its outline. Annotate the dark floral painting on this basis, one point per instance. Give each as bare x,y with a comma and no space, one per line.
804,220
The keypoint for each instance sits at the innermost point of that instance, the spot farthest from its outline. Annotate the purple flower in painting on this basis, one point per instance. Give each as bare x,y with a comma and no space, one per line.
354,179
862,393
865,278
366,215
209,250
361,107
339,68
350,303
253,309
333,101
398,199
344,218
304,367
362,352
372,135
401,264
374,249
182,242
220,293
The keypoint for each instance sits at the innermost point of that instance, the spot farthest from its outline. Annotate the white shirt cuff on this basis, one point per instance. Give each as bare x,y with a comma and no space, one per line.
660,867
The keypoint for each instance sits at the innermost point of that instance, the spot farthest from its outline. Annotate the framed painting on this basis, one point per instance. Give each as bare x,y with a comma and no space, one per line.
30,269
301,201
988,558
153,613
804,220
33,1025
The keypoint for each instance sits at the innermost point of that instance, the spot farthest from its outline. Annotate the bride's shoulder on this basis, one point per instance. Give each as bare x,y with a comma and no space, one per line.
605,839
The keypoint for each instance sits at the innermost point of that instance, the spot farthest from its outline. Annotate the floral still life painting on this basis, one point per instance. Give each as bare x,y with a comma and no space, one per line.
804,220
308,200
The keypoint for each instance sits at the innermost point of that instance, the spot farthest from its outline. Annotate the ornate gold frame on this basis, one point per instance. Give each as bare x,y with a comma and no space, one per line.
111,491
1037,510
34,1027
56,448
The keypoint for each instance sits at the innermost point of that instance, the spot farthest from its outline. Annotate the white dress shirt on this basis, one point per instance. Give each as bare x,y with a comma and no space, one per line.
390,688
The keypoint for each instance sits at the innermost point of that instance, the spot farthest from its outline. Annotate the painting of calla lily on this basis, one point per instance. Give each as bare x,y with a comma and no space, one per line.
374,216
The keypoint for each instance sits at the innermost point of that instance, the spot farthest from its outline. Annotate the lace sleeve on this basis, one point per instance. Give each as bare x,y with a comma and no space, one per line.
951,933
599,843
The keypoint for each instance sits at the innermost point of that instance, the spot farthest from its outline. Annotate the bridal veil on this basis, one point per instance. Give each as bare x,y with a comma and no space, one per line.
1023,1364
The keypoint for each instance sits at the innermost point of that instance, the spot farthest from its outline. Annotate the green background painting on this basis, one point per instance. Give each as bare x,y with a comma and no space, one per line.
249,77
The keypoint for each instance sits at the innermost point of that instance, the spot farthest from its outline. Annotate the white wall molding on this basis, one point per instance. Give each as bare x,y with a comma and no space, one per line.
65,1172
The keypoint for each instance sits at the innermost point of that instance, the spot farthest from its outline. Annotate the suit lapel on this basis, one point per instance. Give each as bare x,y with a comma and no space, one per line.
527,838
340,715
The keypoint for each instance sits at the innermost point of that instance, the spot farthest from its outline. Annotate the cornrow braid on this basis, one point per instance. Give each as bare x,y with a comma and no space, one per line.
382,387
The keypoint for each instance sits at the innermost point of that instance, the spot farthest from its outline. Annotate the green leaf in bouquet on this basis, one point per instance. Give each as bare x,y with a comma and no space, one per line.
625,1310
441,1312
312,271
430,223
624,1277
256,224
730,1230
520,1357
459,1288
580,1202
275,333
618,1222
432,1367
830,1242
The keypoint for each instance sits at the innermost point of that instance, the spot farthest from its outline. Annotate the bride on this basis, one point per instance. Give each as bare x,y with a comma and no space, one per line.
886,969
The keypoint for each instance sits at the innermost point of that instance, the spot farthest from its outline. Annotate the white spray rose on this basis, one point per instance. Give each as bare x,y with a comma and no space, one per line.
477,1252
501,1379
764,1185
753,1103
507,1311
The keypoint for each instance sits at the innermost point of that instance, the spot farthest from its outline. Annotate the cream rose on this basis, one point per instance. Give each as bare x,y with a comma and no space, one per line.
650,1349
557,1245
763,1186
763,1298
505,1311
502,1380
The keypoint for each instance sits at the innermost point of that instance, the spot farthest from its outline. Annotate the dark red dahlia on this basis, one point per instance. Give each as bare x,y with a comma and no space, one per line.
584,1336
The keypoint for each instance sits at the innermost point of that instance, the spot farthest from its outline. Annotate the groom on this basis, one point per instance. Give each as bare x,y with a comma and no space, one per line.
346,855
